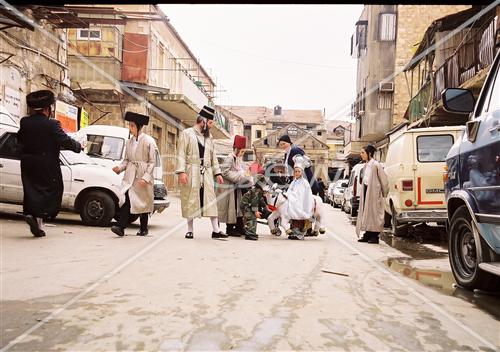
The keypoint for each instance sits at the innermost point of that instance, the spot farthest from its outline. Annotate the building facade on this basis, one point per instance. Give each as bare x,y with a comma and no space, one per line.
383,43
132,58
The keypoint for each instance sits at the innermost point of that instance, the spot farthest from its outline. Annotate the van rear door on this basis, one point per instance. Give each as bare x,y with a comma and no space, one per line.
431,151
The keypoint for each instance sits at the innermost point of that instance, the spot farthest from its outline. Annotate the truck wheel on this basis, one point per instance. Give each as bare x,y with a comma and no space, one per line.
396,228
97,209
463,254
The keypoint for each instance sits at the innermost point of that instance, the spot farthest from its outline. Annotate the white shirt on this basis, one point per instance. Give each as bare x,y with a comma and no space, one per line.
133,144
368,171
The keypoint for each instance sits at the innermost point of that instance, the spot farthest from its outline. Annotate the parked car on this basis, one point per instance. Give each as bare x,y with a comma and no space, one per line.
472,182
413,165
338,192
106,146
353,191
91,190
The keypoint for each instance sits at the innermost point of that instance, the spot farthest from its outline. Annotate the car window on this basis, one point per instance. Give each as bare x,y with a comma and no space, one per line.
494,103
484,98
433,148
105,147
9,148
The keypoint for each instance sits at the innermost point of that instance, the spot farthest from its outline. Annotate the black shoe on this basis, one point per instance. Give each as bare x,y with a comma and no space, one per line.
117,230
219,234
363,239
189,235
373,239
35,230
233,233
142,233
251,238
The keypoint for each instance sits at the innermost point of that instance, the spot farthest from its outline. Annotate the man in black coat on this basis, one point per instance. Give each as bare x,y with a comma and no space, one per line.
41,139
291,150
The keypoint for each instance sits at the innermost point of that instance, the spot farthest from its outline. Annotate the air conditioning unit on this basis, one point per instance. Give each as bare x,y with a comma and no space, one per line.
386,86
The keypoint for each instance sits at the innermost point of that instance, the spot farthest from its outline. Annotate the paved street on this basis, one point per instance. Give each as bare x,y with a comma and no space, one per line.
83,289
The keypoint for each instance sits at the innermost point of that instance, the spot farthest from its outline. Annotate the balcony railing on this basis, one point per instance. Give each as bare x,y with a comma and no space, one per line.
420,103
476,52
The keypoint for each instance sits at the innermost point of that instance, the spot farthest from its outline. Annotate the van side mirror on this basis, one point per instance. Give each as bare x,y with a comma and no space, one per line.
472,129
458,100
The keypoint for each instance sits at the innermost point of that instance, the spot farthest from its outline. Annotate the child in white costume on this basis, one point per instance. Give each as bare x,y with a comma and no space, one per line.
300,205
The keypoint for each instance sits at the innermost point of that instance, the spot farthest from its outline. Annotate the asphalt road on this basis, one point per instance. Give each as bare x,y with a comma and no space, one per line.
85,289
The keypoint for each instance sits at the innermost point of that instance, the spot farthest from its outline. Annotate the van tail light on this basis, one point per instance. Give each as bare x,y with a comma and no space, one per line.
446,177
407,185
408,203
355,186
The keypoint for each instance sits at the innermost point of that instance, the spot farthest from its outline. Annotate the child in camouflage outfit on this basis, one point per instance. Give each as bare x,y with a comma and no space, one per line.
251,203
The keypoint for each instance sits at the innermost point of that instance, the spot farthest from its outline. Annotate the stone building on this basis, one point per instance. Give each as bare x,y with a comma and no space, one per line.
384,41
132,58
32,57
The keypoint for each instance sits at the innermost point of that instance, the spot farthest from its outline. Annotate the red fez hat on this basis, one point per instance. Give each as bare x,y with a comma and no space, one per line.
240,142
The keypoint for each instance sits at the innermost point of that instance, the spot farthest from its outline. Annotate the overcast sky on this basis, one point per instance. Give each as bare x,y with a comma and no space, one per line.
296,56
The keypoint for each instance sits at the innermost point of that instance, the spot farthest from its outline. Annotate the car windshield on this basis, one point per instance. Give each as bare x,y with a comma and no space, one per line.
105,147
6,119
76,158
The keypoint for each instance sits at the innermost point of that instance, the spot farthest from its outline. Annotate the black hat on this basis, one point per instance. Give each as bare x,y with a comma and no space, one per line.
40,99
207,112
285,138
137,118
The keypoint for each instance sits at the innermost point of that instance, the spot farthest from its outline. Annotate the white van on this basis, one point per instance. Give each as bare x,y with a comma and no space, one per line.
106,146
414,166
350,200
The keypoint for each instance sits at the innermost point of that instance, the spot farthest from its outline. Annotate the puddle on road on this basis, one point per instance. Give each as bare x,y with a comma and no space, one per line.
444,282
433,248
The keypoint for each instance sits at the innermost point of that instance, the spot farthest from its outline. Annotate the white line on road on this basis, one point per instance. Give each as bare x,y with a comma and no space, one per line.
413,291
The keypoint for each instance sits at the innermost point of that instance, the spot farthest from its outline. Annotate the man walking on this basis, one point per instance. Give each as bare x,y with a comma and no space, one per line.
41,139
291,150
139,164
196,166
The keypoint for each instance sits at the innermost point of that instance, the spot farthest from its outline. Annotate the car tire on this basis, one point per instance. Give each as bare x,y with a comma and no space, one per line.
463,254
396,228
97,208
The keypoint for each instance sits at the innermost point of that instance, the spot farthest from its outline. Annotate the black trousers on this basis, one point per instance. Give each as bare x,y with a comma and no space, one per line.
239,226
125,215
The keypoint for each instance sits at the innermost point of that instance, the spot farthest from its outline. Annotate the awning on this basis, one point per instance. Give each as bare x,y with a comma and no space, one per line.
9,18
442,24
179,106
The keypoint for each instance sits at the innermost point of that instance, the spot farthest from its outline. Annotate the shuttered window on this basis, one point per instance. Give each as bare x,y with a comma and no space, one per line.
387,27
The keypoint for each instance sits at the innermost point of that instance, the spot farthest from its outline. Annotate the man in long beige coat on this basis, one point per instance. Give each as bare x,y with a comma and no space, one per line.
229,194
137,185
196,167
371,204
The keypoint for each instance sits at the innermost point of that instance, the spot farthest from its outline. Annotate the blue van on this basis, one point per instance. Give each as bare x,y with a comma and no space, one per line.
472,186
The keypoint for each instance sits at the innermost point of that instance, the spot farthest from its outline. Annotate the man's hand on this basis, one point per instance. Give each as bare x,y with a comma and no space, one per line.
117,170
142,183
220,180
183,178
258,214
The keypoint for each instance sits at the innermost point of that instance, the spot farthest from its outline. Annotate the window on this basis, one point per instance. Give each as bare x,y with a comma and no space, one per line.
384,100
433,148
258,134
387,27
494,103
105,147
361,30
89,34
171,142
9,149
